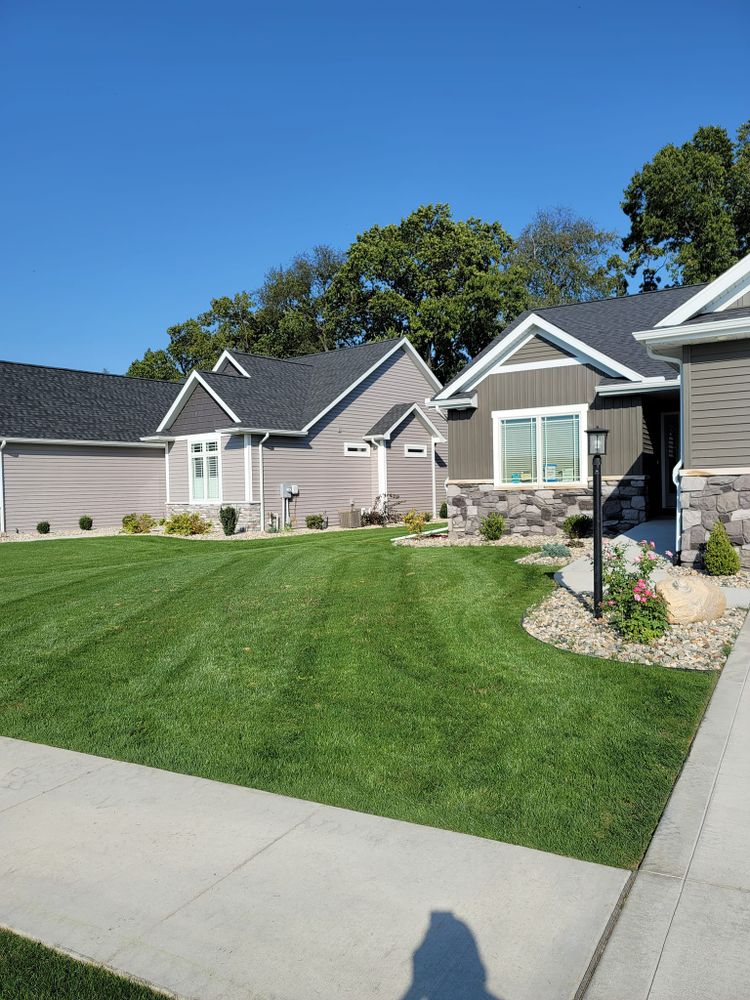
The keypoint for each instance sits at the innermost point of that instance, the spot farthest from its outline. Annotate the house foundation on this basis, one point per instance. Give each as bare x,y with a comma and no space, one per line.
704,501
248,514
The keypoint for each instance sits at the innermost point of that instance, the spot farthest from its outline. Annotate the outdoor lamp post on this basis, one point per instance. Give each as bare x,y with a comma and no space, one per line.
597,437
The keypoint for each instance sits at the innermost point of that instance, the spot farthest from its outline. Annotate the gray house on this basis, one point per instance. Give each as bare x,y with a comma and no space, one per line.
667,372
314,434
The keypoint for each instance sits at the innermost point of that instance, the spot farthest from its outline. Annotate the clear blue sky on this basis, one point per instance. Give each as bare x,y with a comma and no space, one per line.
155,155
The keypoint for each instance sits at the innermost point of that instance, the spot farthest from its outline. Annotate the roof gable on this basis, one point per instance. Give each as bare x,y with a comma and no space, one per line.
724,292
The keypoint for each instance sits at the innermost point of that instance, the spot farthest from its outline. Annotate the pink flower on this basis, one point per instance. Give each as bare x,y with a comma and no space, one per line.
644,542
669,553
652,544
651,555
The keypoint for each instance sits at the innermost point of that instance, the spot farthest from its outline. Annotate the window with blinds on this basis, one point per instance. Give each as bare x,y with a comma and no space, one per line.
204,462
518,450
539,448
561,436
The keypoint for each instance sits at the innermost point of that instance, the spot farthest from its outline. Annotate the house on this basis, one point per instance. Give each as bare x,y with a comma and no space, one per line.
667,372
313,434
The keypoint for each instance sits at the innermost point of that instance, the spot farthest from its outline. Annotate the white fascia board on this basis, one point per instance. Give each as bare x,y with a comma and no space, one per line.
260,430
523,332
226,356
729,328
141,443
720,292
634,388
194,378
462,402
403,342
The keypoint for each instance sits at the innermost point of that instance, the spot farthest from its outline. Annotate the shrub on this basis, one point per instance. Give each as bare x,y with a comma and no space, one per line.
138,524
444,509
415,522
719,555
631,602
577,526
384,510
43,527
187,523
85,523
555,550
315,521
228,517
427,516
492,527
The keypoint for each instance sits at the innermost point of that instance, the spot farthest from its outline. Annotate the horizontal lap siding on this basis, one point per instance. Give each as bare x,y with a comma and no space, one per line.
717,405
59,483
233,468
178,472
411,478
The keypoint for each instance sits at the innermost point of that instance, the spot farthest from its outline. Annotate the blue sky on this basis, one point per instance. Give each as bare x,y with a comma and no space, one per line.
158,154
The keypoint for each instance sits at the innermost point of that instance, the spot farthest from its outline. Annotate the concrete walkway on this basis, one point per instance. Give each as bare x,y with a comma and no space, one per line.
684,933
216,891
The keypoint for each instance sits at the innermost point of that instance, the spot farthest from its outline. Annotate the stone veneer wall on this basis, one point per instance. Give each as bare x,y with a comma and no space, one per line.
707,499
248,513
542,511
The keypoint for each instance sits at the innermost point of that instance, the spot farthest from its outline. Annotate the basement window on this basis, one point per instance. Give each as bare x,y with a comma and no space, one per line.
415,450
356,448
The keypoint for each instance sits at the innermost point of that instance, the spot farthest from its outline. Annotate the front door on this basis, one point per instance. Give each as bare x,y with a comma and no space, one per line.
670,451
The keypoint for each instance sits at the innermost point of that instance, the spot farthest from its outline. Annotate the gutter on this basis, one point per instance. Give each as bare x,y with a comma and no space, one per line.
636,388
261,481
237,429
2,487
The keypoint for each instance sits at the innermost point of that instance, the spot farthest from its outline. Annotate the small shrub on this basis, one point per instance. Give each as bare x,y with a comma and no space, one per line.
43,527
444,509
555,550
631,602
427,516
384,510
85,523
187,523
228,517
577,526
719,555
138,524
315,521
492,527
415,522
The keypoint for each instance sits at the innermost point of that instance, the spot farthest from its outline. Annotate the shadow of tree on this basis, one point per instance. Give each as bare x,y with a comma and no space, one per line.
447,964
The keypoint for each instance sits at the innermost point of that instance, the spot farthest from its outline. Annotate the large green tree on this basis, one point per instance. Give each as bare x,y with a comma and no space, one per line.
565,258
448,285
689,209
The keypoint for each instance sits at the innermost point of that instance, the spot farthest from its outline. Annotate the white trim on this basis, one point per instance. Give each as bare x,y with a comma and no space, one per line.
579,409
421,415
729,328
720,292
194,439
434,480
420,453
505,347
166,472
247,454
259,430
226,356
636,388
361,449
402,343
262,482
529,366
184,394
85,444
454,403
382,448
2,487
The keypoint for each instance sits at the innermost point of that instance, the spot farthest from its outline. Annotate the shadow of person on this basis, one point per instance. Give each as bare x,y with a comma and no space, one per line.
447,964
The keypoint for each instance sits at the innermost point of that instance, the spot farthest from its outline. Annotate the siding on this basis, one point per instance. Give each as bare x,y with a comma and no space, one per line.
328,479
232,470
412,477
178,472
471,430
227,368
59,483
200,415
537,349
717,404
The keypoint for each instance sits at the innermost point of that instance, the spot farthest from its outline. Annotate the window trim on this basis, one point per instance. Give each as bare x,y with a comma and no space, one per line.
203,438
356,449
573,409
421,453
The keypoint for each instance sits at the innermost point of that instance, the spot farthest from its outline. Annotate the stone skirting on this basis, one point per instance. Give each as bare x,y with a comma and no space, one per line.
542,511
704,501
248,514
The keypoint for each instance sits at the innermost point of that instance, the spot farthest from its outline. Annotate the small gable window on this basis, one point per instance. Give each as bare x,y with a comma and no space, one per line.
356,448
204,470
415,450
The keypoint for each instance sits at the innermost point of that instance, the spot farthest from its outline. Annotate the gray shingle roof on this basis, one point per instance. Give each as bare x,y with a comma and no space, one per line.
62,404
389,418
608,325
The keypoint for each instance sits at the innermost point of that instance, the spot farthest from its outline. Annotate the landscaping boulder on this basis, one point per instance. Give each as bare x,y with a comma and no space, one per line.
691,599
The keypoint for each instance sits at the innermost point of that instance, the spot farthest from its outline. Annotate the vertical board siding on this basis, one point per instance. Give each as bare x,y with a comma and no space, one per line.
537,349
471,430
717,400
200,415
59,483
411,477
328,479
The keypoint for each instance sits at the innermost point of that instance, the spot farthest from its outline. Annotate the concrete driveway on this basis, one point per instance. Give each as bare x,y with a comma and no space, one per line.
684,933
215,891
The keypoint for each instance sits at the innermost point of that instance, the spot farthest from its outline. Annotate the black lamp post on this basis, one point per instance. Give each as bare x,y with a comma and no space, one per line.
597,447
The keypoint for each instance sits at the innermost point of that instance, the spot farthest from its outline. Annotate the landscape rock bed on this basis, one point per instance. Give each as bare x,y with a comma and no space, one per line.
566,621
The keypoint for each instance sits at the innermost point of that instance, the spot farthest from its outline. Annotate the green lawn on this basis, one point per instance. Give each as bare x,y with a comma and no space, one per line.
30,972
343,669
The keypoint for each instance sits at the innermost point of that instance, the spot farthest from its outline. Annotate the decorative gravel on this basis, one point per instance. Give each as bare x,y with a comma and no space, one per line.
741,579
212,536
459,541
537,559
566,621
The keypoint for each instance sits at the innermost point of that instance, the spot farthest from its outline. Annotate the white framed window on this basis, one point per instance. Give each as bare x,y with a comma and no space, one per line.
356,448
544,446
205,469
415,450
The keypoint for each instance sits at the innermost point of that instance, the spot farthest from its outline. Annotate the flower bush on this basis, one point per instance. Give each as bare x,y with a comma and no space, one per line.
631,602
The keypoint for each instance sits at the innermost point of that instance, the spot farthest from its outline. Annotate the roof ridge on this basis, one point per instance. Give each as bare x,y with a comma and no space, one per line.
268,357
86,371
353,347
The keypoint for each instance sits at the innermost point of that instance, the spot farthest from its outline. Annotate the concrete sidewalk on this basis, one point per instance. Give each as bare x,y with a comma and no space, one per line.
684,933
216,891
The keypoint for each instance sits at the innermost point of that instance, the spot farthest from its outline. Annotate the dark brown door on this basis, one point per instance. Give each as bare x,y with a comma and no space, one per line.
670,452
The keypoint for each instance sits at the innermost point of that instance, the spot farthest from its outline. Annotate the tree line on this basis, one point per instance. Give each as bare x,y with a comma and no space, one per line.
451,285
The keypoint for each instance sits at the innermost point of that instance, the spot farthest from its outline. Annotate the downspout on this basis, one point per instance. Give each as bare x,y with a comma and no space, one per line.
261,481
2,488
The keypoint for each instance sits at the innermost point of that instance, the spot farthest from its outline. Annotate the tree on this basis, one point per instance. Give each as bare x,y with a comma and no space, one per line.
689,209
448,285
155,364
566,258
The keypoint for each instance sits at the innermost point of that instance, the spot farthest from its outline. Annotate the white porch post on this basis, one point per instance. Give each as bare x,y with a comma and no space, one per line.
382,467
